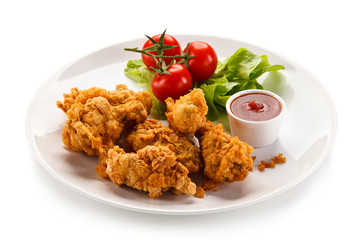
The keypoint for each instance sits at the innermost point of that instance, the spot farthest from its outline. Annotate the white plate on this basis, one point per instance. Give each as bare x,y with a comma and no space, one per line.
306,136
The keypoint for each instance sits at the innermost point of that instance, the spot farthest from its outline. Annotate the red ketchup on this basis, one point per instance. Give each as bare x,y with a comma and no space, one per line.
256,107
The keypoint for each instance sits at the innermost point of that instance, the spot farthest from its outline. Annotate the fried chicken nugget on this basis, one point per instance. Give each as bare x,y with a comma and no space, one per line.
226,159
153,169
97,117
153,133
187,114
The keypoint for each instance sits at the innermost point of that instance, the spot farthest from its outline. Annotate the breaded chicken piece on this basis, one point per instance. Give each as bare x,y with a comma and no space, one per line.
153,169
187,114
226,159
97,117
153,133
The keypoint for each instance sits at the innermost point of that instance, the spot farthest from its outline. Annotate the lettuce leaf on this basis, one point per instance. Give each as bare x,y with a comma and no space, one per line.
236,73
139,73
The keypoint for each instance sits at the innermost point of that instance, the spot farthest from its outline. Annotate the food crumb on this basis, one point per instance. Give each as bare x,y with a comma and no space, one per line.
279,159
270,164
205,186
200,192
261,167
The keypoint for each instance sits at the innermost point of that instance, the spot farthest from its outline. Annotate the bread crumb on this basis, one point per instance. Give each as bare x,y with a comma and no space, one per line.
270,164
205,186
261,167
200,192
279,159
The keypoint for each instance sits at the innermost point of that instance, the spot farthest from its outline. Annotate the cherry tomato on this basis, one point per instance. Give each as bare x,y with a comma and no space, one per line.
176,84
203,65
168,40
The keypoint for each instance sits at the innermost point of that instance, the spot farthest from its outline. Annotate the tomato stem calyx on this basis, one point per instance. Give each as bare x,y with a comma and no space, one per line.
186,57
159,47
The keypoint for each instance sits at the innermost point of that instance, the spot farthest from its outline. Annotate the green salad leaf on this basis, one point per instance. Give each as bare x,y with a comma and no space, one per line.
215,95
139,73
235,73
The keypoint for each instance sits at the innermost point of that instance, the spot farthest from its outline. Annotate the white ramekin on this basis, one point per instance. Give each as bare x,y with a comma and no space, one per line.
255,133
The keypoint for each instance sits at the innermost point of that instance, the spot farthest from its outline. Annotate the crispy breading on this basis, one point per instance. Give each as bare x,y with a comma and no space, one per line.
152,132
153,169
187,114
226,159
96,118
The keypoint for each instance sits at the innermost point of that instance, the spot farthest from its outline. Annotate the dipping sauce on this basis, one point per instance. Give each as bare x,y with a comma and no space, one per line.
256,107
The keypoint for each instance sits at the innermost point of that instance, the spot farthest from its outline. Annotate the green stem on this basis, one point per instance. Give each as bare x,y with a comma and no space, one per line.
159,48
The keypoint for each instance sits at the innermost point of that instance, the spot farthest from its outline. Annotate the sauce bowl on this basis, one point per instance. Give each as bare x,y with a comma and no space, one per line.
257,133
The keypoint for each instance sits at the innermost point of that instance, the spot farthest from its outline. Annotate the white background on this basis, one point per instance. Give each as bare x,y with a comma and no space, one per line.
40,37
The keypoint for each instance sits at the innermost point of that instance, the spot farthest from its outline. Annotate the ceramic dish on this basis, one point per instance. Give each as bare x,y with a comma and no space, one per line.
306,135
